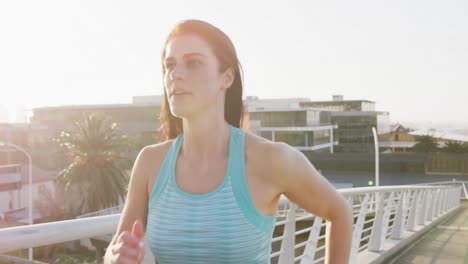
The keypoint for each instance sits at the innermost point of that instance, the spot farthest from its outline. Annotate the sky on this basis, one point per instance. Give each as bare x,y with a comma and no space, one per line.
410,57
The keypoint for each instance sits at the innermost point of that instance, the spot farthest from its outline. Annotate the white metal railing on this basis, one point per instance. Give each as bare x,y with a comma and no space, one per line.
462,184
381,214
111,210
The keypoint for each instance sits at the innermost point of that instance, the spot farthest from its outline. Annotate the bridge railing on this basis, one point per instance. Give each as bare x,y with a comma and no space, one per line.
383,217
381,214
462,184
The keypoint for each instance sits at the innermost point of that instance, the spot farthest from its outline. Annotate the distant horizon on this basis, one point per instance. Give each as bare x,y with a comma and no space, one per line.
419,124
407,56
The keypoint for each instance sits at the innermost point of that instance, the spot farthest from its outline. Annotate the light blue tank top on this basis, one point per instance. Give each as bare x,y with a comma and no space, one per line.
222,226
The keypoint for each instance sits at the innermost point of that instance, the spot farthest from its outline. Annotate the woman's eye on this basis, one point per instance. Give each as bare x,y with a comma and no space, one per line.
170,65
193,63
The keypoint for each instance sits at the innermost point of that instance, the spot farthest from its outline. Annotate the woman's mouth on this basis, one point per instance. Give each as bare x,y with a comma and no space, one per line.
180,95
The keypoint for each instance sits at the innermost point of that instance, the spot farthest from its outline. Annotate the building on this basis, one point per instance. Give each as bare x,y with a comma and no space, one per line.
28,136
398,139
355,119
338,104
440,137
355,129
285,121
402,139
138,120
300,122
14,192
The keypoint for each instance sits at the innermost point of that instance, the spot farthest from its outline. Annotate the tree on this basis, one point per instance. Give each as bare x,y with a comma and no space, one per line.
455,147
96,169
426,143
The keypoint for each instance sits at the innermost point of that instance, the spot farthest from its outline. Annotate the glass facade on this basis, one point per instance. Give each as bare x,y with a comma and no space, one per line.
342,106
354,132
280,118
297,118
290,137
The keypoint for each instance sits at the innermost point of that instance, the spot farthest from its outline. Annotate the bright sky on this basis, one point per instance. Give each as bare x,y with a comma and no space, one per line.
410,57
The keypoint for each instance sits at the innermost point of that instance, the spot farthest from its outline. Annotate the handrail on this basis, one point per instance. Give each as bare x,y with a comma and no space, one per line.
409,205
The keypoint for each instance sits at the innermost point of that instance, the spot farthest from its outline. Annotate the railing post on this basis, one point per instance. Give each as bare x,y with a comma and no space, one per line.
430,198
400,217
446,200
436,208
351,201
439,198
379,230
464,190
458,195
357,233
454,197
432,205
289,240
414,211
439,202
450,199
424,207
427,217
311,247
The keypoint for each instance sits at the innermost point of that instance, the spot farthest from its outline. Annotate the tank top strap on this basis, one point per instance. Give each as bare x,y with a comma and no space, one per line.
165,170
240,186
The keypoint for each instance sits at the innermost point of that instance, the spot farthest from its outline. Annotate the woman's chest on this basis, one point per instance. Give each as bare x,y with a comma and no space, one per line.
203,179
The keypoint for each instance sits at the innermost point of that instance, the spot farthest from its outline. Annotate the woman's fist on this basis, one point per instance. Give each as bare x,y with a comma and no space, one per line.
128,248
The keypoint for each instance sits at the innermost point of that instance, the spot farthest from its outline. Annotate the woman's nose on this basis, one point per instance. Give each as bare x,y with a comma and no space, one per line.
177,73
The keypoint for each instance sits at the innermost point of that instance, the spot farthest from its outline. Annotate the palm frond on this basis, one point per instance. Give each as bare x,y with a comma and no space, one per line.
97,165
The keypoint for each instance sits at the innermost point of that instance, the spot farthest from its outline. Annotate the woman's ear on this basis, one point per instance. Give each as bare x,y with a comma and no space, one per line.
228,77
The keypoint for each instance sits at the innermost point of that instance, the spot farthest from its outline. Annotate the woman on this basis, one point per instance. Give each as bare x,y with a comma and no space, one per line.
209,192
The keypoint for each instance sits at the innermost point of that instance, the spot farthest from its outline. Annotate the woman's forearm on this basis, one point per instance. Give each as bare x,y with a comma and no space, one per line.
339,236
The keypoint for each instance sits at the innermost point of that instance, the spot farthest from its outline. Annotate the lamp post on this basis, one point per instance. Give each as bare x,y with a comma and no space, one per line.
377,196
376,143
30,184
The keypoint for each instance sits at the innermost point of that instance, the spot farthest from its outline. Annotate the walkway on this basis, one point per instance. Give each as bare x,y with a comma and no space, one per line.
447,243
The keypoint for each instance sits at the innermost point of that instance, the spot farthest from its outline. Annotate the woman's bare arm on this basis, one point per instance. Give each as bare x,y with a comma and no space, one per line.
305,186
146,167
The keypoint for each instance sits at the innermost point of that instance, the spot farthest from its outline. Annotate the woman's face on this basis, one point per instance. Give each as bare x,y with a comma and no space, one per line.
192,79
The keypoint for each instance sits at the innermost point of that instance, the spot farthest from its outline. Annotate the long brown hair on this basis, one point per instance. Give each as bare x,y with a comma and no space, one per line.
171,126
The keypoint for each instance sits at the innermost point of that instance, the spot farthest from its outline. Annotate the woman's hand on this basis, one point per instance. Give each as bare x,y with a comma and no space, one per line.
129,247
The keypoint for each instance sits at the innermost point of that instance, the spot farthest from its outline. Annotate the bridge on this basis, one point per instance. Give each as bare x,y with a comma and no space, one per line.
421,223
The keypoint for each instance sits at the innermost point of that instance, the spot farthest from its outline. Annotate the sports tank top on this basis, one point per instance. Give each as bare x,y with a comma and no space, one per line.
222,226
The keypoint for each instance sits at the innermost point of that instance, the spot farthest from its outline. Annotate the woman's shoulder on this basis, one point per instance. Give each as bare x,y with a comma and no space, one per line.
158,148
155,152
275,162
268,154
267,148
150,160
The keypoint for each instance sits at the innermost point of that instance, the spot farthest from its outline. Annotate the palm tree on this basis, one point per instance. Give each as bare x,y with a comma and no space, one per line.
96,168
455,147
426,143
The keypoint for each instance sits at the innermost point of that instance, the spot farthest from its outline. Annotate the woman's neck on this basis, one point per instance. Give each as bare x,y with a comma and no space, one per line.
205,139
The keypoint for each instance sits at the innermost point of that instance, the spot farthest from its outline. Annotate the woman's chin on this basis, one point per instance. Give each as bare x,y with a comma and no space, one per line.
180,113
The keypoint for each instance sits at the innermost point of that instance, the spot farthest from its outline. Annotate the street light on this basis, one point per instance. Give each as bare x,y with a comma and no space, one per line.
376,144
30,184
377,177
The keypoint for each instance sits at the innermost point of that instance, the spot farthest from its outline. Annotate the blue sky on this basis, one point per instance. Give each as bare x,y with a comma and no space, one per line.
410,57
